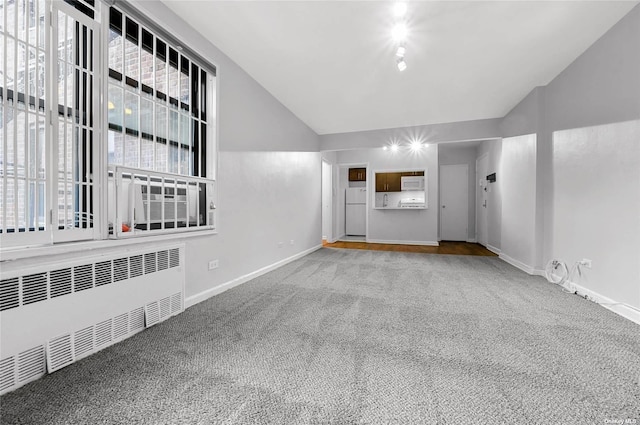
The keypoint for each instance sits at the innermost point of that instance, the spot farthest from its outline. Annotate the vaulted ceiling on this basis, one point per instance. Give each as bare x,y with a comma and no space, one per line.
332,62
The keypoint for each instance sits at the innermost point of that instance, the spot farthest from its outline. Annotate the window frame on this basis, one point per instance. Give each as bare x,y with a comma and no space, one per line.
17,240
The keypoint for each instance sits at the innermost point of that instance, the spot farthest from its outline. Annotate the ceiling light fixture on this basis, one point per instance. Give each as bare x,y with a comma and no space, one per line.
394,147
401,51
402,65
400,9
416,145
399,32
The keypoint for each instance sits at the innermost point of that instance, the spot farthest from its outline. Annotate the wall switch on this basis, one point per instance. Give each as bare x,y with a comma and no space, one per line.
291,242
280,244
586,262
213,264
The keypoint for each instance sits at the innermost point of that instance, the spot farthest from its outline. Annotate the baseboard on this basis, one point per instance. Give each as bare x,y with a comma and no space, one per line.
426,243
472,240
516,263
493,249
198,298
621,309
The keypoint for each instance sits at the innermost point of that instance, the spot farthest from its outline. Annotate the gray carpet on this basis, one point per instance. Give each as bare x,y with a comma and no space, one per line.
350,336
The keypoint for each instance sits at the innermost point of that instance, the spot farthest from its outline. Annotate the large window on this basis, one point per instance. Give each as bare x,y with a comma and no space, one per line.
62,150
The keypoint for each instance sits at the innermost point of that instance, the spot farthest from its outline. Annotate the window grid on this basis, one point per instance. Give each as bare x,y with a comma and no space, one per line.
22,116
157,118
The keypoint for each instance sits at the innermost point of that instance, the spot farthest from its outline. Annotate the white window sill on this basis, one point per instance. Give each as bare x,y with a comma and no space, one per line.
11,254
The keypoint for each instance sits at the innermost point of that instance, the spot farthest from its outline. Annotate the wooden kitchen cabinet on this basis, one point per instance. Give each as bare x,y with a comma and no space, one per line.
357,174
388,182
412,173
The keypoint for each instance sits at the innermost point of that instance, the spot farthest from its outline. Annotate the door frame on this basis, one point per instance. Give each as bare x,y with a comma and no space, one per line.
331,190
478,200
346,166
441,191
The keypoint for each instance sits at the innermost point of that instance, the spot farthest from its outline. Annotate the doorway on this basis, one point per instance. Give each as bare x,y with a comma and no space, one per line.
482,227
454,202
327,202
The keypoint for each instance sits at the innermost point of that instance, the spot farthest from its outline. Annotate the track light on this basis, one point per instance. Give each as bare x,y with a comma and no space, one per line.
401,51
394,147
402,65
399,32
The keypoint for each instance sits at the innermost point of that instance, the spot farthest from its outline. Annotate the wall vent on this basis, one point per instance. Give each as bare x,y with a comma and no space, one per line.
103,273
34,288
7,373
176,303
59,353
165,308
151,314
103,333
120,326
82,277
9,294
60,282
83,342
31,364
136,320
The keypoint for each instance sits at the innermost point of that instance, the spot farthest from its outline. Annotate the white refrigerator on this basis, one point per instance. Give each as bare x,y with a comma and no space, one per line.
356,214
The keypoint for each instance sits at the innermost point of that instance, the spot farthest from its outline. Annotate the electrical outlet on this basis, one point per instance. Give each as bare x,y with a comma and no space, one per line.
213,264
586,262
280,244
291,242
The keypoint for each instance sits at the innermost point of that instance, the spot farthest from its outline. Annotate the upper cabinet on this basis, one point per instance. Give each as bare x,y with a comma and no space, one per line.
357,174
388,182
412,173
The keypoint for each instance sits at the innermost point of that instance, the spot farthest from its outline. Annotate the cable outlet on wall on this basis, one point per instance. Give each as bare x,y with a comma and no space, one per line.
213,264
586,262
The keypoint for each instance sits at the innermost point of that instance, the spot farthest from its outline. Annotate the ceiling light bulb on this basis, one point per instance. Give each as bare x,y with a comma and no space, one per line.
399,32
401,51
384,148
394,147
399,9
402,65
416,145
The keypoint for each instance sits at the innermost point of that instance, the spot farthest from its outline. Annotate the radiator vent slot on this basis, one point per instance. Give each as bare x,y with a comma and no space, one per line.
151,314
174,257
176,303
135,266
120,326
9,294
60,282
59,353
103,273
136,320
150,262
34,288
83,342
163,260
31,364
7,373
165,308
83,277
120,269
103,333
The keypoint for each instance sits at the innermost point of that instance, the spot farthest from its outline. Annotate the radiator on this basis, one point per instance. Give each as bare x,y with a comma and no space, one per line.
52,315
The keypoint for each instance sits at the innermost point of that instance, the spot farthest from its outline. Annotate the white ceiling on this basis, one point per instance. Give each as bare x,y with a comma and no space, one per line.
332,62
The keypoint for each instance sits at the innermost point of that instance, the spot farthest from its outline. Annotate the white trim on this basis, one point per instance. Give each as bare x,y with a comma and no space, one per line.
472,240
48,250
516,263
622,309
424,243
493,249
204,295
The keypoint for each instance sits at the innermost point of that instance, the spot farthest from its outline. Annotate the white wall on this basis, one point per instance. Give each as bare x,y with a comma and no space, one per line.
518,176
327,205
597,206
493,150
450,154
419,226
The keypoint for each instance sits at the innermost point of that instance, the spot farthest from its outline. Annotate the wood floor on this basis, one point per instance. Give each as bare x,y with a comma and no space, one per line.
452,248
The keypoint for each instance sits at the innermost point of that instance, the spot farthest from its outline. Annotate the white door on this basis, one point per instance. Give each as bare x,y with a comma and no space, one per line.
326,202
454,202
482,187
